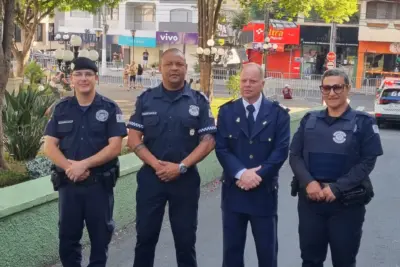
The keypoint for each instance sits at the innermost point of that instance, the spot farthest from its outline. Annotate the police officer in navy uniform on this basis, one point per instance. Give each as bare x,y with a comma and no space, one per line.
332,155
83,140
171,130
252,143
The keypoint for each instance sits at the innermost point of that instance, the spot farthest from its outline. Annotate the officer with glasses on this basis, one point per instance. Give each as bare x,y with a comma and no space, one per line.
332,155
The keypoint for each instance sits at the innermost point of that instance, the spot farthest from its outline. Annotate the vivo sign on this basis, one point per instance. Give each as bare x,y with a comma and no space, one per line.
176,38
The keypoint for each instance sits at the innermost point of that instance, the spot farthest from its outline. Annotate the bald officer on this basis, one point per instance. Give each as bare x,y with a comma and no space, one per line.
83,139
252,144
171,130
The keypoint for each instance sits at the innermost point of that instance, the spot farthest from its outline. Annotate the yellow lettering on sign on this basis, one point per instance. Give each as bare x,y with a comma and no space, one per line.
275,33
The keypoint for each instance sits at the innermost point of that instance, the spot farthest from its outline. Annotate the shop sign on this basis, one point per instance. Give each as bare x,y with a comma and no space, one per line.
177,38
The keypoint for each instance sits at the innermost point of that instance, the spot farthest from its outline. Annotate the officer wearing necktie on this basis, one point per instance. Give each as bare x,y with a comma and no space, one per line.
252,143
83,139
332,155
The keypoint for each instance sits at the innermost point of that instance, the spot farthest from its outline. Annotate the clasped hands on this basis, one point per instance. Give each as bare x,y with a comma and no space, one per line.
249,179
317,193
167,171
77,170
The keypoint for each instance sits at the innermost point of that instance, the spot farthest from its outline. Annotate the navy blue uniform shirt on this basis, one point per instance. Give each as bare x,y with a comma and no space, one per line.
365,147
172,122
84,131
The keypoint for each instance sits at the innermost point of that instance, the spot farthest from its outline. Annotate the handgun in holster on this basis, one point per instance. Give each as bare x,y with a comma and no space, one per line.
111,176
56,177
295,186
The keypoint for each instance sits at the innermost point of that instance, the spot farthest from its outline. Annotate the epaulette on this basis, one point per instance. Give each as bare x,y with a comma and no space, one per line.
363,113
146,91
281,106
63,100
108,100
202,95
226,103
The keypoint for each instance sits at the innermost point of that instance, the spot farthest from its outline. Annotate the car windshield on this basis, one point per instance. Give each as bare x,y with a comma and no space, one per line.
391,92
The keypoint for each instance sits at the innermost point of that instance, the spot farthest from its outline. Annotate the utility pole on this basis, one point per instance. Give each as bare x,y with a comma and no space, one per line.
332,43
266,32
104,41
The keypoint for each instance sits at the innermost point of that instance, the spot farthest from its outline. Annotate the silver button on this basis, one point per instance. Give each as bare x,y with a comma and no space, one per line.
230,136
251,142
251,156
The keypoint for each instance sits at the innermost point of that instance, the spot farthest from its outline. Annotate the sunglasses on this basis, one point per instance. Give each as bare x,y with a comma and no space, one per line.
337,88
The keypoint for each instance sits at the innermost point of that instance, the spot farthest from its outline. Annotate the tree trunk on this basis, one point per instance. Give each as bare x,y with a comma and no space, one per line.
208,12
22,56
21,62
7,35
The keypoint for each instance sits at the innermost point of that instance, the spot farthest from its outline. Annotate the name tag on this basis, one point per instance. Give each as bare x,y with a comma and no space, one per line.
65,122
149,113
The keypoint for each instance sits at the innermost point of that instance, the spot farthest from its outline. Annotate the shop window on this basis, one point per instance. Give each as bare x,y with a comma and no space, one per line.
378,63
398,11
113,13
79,14
380,10
17,34
39,32
181,15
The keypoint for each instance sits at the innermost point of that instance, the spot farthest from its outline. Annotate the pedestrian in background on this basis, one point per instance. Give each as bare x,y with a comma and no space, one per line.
332,155
83,139
171,130
252,143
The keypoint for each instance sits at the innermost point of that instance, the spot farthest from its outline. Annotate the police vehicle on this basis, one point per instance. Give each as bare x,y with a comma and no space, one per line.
387,103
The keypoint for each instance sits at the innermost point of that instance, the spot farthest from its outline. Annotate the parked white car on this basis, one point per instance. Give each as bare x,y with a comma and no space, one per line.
387,104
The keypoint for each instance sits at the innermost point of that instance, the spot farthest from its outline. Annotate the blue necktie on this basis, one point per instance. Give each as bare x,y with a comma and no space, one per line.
250,117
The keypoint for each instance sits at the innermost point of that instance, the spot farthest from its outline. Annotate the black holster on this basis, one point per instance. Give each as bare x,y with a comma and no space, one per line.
57,179
295,187
109,178
360,195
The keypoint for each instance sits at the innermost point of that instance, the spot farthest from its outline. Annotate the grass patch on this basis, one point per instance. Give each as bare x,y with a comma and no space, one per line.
216,103
16,174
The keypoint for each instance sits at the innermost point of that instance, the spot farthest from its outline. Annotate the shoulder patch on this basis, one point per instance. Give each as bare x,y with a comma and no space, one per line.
226,103
281,106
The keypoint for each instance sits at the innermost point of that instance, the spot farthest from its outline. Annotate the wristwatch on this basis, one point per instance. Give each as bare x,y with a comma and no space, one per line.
182,168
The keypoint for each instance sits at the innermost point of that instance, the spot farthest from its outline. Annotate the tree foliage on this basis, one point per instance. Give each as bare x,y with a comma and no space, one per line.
29,13
338,11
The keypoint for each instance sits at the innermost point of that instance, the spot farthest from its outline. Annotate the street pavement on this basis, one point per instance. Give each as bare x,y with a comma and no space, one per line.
126,99
380,243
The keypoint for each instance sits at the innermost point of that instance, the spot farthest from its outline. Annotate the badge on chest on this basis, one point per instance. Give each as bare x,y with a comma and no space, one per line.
339,137
102,115
194,110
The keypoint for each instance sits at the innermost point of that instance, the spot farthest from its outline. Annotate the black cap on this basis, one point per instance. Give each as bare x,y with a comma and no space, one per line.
83,63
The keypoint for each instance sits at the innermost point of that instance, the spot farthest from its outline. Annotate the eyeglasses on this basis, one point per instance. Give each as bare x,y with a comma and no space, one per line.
337,88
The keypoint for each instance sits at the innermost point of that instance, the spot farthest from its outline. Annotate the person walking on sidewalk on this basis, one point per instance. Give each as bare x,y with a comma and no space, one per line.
171,130
252,143
83,139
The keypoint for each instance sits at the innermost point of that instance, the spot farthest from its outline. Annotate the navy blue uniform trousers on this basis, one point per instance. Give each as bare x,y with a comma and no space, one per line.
264,230
322,223
92,205
152,196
